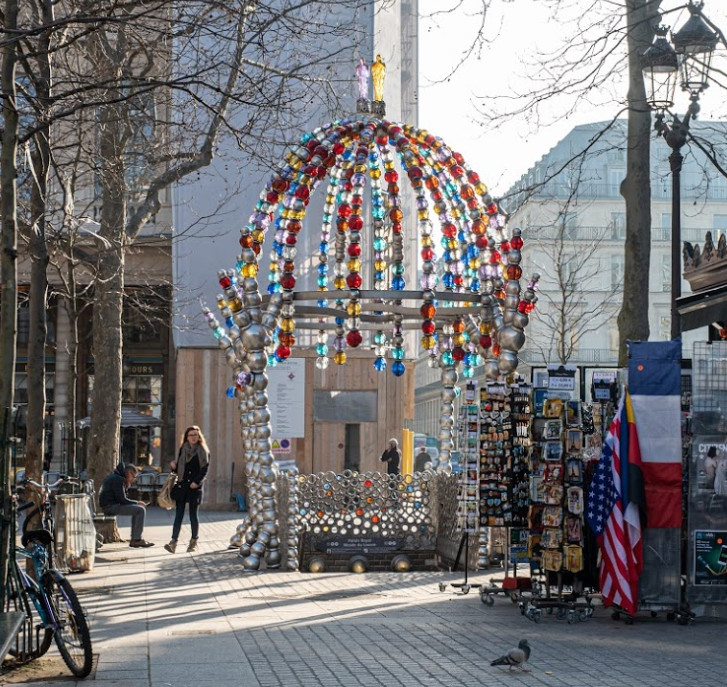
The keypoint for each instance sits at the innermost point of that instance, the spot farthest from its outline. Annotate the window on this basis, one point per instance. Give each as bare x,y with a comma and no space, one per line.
618,226
666,273
665,226
615,177
617,271
570,225
665,327
720,226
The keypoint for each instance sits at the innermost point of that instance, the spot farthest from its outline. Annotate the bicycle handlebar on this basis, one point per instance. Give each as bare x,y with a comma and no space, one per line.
63,480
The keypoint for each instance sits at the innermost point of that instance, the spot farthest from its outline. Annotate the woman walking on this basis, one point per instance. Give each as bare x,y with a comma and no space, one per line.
191,466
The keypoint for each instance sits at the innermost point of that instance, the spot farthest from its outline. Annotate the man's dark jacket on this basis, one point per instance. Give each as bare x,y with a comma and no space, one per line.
113,489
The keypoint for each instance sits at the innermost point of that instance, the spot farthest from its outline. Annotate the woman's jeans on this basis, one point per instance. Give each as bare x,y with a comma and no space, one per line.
191,498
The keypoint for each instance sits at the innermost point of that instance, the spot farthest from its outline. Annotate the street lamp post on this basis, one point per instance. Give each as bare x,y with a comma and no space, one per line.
693,46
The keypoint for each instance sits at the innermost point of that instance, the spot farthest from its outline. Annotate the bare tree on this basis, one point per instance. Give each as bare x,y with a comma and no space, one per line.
576,298
8,267
157,84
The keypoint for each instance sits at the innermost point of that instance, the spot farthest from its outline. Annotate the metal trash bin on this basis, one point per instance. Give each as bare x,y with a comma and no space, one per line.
75,533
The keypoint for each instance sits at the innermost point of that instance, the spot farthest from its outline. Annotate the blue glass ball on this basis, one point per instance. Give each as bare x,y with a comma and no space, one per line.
380,364
398,368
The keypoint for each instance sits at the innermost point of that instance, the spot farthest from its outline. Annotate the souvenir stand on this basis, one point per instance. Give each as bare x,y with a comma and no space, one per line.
468,497
559,539
504,452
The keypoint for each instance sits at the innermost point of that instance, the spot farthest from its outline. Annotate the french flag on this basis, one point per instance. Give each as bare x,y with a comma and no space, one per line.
655,389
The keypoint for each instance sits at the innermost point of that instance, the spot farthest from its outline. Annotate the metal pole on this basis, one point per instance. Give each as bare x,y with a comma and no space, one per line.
675,160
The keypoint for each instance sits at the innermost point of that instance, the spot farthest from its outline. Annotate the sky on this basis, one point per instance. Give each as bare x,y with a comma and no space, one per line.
515,32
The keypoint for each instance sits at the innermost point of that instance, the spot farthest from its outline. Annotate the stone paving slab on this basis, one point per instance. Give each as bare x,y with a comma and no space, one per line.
198,620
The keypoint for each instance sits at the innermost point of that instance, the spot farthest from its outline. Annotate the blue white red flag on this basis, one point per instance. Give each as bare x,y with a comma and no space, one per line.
613,511
655,387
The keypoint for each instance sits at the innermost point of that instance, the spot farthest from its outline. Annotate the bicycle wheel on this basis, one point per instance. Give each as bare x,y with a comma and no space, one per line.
23,598
72,635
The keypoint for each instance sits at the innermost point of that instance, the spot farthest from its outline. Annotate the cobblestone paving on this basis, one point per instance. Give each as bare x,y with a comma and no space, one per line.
198,619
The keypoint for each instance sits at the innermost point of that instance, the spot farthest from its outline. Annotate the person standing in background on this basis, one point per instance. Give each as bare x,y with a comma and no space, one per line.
191,466
392,457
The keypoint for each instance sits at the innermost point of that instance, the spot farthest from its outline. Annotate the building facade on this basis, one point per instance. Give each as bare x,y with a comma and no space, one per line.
573,223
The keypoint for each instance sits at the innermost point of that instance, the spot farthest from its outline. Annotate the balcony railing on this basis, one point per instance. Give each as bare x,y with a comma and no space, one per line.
617,234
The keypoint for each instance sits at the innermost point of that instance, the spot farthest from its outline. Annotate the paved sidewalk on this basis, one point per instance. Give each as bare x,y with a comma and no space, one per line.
197,620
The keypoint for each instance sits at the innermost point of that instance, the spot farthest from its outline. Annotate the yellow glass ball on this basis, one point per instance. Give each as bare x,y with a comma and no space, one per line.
474,263
258,235
287,324
456,213
375,173
339,358
422,214
361,169
354,265
380,265
426,241
481,189
485,328
249,270
428,342
339,282
458,339
354,309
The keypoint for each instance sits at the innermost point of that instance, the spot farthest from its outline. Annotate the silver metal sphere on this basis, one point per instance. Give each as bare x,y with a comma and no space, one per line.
508,362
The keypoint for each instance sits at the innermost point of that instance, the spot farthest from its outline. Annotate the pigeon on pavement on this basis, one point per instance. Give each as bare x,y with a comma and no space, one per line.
515,658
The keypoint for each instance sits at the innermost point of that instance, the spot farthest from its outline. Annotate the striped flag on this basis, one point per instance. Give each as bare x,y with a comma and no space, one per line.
655,386
613,511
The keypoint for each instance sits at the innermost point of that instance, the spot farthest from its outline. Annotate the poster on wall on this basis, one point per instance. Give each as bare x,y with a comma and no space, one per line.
286,398
710,557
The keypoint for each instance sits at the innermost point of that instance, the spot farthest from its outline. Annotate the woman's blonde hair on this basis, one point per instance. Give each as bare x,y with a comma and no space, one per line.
195,428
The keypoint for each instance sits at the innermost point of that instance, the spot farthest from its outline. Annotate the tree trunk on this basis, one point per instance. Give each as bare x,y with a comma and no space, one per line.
633,320
38,251
104,433
8,270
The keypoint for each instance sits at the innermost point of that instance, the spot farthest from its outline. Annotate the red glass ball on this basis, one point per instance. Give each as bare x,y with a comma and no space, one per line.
458,353
226,282
282,352
353,280
281,185
302,192
354,249
354,338
355,223
485,341
428,327
514,272
288,282
344,210
427,253
449,230
516,242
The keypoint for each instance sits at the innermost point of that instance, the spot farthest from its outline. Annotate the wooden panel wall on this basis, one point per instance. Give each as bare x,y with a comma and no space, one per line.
202,378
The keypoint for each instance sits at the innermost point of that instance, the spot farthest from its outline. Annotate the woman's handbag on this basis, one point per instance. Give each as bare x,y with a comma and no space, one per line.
166,495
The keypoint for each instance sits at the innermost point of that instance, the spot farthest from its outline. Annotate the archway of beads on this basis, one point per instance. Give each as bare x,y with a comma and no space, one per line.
474,312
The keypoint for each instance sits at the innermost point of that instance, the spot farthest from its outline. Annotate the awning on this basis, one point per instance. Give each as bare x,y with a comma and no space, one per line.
129,418
702,308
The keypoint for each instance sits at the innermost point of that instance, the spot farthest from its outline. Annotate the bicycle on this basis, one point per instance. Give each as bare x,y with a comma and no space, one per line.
48,595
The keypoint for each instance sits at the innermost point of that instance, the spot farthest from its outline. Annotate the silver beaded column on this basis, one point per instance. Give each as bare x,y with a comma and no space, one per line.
446,418
294,524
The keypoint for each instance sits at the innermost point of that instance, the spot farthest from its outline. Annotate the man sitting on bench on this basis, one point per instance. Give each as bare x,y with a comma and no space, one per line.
114,501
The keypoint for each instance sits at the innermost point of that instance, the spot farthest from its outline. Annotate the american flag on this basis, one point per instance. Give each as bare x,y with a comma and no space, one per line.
619,541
